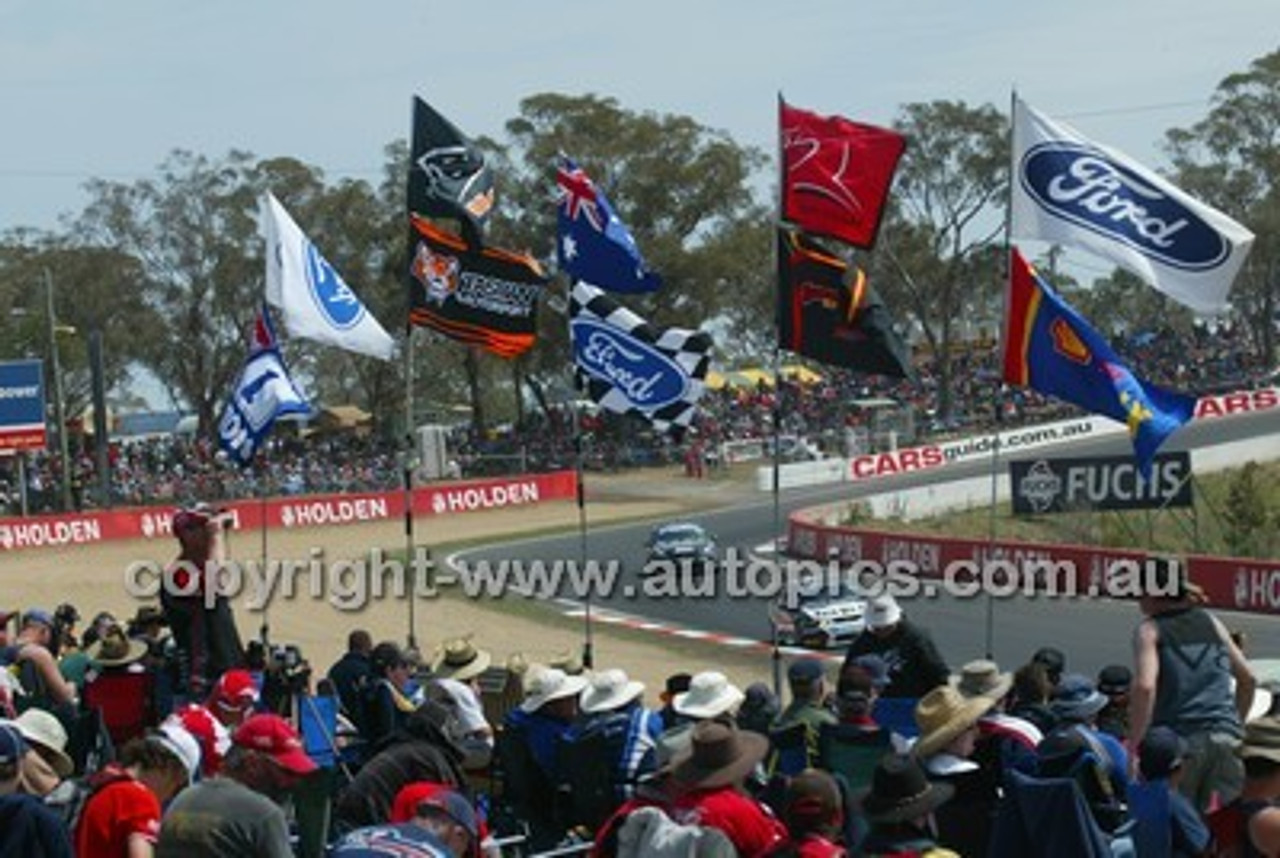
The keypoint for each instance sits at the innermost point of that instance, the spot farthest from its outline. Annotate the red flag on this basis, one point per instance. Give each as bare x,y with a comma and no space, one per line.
836,174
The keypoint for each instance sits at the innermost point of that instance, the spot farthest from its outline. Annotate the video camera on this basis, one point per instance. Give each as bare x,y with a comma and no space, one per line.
286,675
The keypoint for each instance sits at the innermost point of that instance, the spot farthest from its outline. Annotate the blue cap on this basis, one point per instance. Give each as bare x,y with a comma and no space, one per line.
12,745
1160,753
456,807
875,666
805,671
37,615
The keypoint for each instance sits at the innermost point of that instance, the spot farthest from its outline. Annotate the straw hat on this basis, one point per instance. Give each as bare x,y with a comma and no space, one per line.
900,791
46,732
1261,739
551,684
982,678
608,690
710,694
942,715
459,659
113,649
718,755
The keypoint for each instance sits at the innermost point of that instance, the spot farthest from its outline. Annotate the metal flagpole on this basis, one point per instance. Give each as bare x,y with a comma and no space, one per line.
776,657
588,656
406,473
264,631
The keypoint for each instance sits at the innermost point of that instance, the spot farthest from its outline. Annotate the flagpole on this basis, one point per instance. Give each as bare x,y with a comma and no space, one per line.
999,395
588,656
406,474
775,658
264,631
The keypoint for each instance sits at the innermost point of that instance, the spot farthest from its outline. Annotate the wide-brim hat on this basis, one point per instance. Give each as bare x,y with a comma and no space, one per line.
1076,699
551,684
115,650
942,715
42,728
982,678
459,659
710,694
883,612
900,791
1261,739
149,615
608,690
718,755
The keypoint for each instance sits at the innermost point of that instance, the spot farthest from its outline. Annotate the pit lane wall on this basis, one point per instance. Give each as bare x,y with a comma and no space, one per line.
1240,584
1018,441
19,534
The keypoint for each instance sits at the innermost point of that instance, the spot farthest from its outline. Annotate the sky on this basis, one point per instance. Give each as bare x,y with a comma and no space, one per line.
108,90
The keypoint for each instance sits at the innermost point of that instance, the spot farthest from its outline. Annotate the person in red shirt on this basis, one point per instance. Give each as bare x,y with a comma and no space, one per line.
814,813
121,818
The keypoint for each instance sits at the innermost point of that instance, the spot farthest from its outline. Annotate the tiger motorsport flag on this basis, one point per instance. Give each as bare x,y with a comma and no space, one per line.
1067,189
315,301
628,366
263,393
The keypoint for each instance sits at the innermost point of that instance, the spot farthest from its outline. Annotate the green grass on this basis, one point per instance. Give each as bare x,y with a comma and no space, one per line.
1201,529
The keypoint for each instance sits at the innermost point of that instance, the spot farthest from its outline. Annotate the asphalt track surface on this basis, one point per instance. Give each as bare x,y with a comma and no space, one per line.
1092,633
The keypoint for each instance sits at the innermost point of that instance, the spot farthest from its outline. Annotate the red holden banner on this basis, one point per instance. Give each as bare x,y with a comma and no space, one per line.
1238,584
17,534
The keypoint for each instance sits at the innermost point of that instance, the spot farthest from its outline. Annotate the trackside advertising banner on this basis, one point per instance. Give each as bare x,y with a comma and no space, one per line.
17,534
1239,584
21,405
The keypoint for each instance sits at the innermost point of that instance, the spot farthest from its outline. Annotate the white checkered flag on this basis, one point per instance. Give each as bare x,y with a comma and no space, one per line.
627,366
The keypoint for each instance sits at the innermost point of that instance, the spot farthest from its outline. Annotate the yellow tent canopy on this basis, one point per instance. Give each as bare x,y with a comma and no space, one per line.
801,373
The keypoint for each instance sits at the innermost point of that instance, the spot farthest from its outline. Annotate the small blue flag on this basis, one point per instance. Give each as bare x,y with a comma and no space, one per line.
1049,347
594,246
263,393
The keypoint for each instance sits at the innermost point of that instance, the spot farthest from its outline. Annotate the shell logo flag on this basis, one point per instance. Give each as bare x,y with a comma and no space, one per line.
1067,189
1050,348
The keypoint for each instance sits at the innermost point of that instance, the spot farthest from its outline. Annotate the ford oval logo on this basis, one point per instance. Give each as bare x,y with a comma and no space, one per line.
334,299
647,377
1081,185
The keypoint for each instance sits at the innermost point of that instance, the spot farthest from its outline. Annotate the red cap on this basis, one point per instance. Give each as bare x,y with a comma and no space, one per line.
272,735
210,733
189,517
236,689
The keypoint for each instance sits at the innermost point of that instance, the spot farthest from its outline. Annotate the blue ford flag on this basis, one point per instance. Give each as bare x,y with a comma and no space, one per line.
594,245
263,393
627,366
1067,189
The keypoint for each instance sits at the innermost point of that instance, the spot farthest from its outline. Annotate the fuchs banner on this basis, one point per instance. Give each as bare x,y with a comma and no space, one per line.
448,174
1069,190
484,297
627,365
22,425
836,173
1042,486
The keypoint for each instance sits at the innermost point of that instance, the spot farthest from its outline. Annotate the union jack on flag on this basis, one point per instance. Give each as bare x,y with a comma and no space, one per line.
594,246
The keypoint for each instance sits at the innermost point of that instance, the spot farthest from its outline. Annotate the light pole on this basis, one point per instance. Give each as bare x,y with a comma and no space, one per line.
59,408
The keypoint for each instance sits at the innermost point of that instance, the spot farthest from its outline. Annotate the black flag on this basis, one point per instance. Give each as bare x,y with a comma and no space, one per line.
828,311
448,175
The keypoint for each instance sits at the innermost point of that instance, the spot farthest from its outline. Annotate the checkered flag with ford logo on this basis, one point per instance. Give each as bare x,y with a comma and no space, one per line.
628,366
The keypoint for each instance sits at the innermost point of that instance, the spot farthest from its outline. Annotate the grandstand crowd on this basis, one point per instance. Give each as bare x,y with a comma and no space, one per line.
175,468
160,734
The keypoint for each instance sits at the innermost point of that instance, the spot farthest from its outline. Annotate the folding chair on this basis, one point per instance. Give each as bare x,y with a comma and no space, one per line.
852,752
1046,818
788,750
1149,809
897,715
126,701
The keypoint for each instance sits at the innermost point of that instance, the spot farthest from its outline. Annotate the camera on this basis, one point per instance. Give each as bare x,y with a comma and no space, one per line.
287,675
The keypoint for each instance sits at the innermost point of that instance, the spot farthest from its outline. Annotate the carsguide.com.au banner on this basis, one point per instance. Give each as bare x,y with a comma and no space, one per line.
17,534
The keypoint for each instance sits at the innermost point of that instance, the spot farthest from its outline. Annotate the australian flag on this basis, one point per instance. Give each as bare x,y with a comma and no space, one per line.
594,246
263,392
1049,347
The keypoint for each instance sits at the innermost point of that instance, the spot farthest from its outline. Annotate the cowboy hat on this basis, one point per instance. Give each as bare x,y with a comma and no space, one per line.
900,791
718,755
982,678
942,715
710,694
458,658
551,684
608,690
45,731
1261,739
113,649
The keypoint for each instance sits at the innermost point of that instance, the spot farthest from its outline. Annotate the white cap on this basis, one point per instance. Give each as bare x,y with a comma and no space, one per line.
179,741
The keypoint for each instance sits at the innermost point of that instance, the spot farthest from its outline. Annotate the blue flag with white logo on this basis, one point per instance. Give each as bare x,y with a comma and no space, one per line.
593,244
315,301
1049,347
627,366
1069,190
263,393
